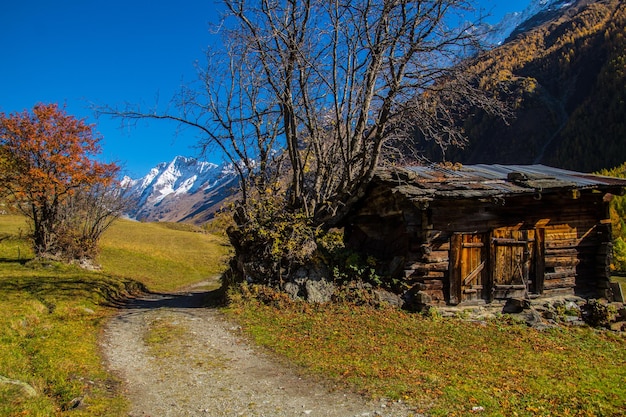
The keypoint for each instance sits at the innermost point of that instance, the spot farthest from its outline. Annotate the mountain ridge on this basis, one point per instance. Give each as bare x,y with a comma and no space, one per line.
184,189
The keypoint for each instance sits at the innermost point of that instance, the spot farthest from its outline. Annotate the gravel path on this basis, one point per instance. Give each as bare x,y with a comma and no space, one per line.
209,369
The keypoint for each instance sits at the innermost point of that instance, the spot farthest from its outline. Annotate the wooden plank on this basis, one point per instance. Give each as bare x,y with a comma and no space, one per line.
510,287
455,268
540,264
509,242
492,270
565,282
474,273
472,244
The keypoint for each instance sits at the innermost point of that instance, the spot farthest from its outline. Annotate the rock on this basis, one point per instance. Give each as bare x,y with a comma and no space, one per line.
514,306
26,388
532,318
386,297
618,326
292,289
319,291
75,403
422,298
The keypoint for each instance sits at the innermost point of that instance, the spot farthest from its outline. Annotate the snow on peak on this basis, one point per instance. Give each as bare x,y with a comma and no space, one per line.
498,33
182,176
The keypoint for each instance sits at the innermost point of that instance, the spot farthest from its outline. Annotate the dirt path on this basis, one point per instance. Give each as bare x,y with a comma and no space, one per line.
206,368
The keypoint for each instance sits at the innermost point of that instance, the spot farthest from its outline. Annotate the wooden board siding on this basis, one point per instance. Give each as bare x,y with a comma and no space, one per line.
518,247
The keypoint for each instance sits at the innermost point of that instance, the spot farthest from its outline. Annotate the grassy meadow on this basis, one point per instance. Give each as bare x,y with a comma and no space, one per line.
162,256
447,367
53,314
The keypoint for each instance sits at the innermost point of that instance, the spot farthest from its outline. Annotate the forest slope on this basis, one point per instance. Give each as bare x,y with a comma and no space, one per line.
566,83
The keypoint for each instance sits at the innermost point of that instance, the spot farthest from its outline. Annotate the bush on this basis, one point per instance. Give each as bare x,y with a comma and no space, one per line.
598,314
270,242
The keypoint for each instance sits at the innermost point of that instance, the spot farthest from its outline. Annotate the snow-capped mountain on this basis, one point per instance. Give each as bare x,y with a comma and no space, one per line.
184,189
537,12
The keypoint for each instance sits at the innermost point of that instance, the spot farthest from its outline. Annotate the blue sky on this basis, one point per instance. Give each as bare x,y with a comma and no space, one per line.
79,52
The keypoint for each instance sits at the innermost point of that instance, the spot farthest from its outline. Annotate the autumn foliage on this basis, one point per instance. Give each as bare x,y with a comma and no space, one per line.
45,166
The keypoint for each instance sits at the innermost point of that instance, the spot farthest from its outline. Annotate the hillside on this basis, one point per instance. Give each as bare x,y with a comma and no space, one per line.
183,190
566,82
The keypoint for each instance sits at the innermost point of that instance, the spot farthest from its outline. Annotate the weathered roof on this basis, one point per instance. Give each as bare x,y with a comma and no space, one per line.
478,181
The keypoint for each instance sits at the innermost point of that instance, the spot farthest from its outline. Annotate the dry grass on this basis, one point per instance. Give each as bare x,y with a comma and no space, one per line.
448,367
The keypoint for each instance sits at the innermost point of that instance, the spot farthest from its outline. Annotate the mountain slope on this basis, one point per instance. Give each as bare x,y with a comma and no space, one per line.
565,80
536,13
184,189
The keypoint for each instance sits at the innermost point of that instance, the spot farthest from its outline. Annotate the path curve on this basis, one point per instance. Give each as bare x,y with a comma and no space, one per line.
210,370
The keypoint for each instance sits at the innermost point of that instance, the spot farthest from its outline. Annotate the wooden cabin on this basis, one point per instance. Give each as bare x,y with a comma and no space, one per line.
482,233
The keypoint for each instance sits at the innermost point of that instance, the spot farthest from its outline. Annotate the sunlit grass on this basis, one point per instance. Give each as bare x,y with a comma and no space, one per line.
52,314
621,279
164,257
447,367
49,327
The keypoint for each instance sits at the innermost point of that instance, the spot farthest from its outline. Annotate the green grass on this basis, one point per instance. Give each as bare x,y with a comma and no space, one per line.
622,282
165,256
52,314
445,367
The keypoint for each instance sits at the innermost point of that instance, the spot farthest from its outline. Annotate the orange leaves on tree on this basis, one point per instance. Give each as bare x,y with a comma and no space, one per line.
46,157
49,153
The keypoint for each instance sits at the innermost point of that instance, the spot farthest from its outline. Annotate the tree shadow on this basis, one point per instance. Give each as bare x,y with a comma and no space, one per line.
123,293
194,299
49,288
19,261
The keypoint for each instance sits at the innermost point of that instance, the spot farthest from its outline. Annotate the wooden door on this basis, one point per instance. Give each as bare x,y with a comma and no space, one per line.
512,263
469,268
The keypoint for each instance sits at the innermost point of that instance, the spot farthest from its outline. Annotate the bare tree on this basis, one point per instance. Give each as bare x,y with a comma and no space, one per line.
338,79
307,96
85,215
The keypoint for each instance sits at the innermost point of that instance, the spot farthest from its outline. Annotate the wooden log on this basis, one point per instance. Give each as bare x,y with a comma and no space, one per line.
561,244
553,292
561,261
441,245
423,266
565,282
436,296
561,252
559,275
561,235
436,256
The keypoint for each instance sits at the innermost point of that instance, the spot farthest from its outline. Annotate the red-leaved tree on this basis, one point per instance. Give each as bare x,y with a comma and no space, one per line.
46,161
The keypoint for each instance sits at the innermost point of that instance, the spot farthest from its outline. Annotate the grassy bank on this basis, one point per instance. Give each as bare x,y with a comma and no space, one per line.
448,367
53,314
163,256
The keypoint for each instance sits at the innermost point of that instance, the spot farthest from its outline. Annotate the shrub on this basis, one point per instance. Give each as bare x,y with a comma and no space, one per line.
598,314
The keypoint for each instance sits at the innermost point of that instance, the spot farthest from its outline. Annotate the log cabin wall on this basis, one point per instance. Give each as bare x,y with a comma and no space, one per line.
565,238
